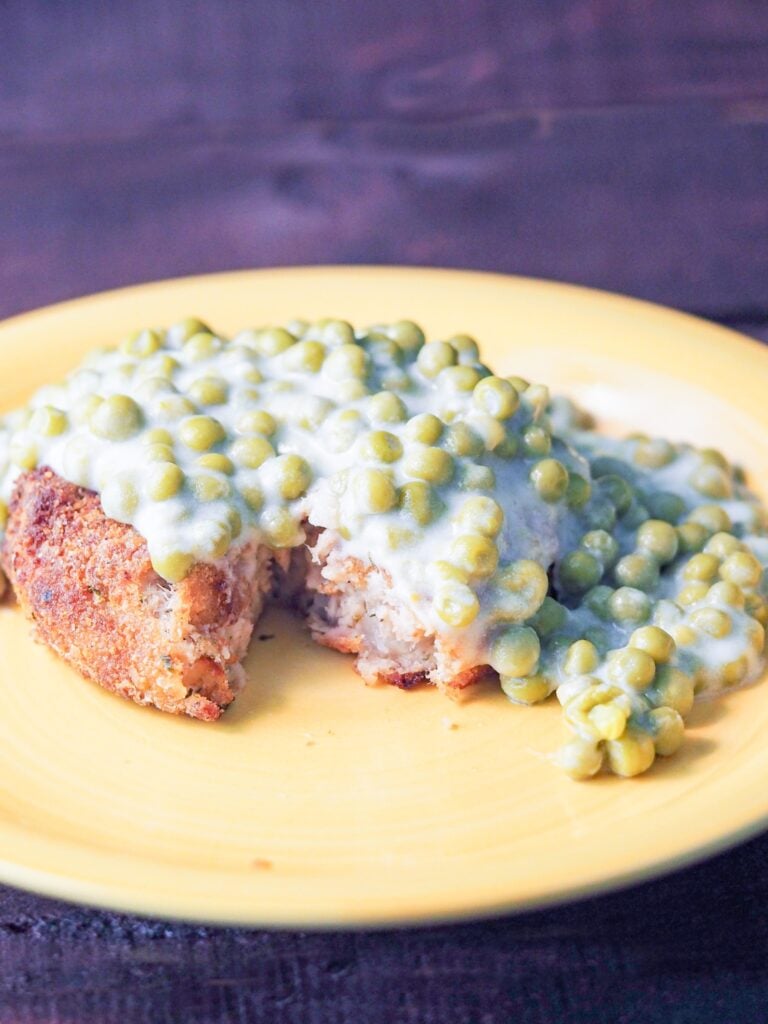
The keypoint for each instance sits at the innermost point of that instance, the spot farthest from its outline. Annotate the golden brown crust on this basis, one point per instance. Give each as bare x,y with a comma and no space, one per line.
88,585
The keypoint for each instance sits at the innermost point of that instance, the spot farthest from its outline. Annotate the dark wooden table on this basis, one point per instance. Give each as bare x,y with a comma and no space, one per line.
620,145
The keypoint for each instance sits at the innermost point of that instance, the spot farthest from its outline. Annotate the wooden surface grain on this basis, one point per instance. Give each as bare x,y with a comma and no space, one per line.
621,145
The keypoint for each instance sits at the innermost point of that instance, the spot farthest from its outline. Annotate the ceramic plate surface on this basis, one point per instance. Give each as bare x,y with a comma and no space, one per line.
317,801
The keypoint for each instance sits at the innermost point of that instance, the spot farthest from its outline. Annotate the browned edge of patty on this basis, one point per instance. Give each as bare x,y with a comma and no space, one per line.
87,583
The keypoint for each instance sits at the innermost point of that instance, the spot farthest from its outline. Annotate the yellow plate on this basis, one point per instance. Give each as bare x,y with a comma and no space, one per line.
317,801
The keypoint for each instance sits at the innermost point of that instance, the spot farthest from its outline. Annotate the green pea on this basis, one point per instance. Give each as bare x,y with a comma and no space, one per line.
665,506
117,418
157,435
386,407
3,524
442,571
632,667
207,487
631,754
159,453
481,514
142,344
653,454
201,346
312,412
602,545
347,362
598,600
496,397
172,407
220,463
341,429
742,568
521,588
434,357
253,496
600,513
477,555
654,641
373,491
578,491
304,357
550,478
515,651
425,428
582,658
273,341
77,461
456,604
466,347
712,518
213,537
536,399
383,350
520,384
692,593
251,452
607,465
701,567
549,618
381,446
713,457
477,478
672,689
333,332
691,537
186,329
281,528
161,366
459,378
172,565
460,439
721,545
618,492
201,432
293,475
419,501
153,387
431,464
162,481
668,730
711,621
629,605
537,442
119,499
637,570
208,391
711,481
48,421
528,690
728,593
579,571
257,422
658,539
508,447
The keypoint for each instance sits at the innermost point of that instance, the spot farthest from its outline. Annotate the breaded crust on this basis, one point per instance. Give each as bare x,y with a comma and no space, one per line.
88,585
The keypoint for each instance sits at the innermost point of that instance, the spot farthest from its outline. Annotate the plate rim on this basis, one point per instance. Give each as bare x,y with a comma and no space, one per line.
97,895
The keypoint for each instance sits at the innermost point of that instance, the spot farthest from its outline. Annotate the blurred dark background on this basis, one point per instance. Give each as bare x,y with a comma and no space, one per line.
620,145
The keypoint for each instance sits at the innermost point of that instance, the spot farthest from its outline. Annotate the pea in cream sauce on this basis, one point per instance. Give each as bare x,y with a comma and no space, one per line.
624,574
